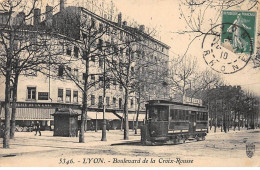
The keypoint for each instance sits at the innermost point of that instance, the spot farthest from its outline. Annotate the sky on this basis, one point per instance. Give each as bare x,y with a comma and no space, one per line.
164,17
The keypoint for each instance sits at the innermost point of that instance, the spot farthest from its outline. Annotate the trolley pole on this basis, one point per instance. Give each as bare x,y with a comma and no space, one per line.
104,135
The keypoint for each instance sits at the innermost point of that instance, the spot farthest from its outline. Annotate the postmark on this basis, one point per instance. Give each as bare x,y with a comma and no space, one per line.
250,150
228,47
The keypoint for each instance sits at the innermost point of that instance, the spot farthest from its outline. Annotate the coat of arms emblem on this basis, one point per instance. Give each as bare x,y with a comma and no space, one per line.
250,150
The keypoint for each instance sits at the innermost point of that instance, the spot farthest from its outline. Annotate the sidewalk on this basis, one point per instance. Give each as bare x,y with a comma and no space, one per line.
27,143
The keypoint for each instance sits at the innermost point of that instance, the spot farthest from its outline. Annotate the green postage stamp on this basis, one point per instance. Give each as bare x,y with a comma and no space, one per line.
229,46
238,32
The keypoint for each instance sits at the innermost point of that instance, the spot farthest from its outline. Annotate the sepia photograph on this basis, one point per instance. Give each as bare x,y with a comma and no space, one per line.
129,83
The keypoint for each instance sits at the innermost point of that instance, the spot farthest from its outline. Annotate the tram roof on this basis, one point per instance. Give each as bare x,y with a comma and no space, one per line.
167,102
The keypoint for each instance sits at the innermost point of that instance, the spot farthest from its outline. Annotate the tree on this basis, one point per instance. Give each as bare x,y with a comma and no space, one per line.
22,49
181,74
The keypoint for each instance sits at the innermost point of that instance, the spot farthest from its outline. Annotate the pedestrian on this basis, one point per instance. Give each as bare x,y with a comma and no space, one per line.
38,128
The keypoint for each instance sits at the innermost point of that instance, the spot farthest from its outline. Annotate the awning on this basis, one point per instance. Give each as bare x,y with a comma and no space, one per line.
99,115
31,113
132,117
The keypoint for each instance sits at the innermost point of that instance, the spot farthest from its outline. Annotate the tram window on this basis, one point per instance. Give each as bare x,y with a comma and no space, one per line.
177,115
205,116
197,113
172,114
187,115
182,114
153,113
163,115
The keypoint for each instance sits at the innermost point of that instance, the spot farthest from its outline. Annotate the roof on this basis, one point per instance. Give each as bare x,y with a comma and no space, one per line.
99,115
171,102
65,111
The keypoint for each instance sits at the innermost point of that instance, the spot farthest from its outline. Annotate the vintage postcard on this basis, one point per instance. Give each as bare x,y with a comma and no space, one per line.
129,83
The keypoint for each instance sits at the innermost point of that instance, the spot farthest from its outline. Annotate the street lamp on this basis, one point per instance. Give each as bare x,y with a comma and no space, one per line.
104,138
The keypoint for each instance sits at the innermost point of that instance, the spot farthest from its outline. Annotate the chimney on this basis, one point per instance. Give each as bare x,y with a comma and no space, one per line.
48,15
119,19
36,16
125,23
62,5
141,28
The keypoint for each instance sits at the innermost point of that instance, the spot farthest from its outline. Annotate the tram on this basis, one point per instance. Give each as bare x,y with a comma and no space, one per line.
173,123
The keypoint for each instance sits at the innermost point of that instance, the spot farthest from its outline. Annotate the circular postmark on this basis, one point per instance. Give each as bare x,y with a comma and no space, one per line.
223,54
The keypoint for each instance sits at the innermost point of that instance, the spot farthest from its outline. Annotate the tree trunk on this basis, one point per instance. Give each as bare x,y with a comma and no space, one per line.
234,122
228,124
138,110
15,85
84,104
247,121
211,120
7,92
126,128
222,121
238,120
216,121
7,111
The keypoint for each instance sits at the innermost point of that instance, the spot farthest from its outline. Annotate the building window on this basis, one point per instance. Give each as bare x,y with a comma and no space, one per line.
100,44
132,70
92,99
75,96
100,101
60,71
11,93
76,73
108,31
93,59
114,82
93,23
84,36
31,93
132,103
101,27
60,95
30,72
100,61
107,101
121,51
84,76
92,77
114,101
100,81
107,83
68,96
120,103
76,52
68,51
116,50
68,72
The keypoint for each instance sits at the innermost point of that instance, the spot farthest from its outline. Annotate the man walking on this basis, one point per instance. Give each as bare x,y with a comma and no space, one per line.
38,128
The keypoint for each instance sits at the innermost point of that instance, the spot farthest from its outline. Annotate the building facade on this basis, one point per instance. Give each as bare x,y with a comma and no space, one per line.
60,85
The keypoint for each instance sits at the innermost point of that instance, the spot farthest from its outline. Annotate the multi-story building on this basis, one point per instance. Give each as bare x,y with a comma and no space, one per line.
40,94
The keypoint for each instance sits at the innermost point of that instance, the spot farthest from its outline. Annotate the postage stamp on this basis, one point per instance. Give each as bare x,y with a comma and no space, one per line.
228,47
234,33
